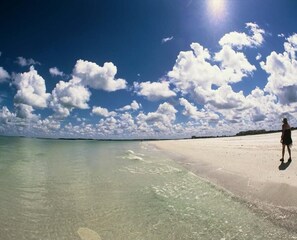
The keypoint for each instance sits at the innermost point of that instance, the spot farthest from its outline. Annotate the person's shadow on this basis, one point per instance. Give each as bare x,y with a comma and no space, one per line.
284,165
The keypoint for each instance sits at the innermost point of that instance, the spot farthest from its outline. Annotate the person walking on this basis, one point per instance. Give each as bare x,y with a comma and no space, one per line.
286,139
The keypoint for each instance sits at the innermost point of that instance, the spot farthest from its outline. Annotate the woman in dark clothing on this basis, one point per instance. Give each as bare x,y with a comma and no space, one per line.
286,139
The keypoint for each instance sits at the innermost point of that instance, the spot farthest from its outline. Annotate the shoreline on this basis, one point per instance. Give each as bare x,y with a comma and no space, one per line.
247,167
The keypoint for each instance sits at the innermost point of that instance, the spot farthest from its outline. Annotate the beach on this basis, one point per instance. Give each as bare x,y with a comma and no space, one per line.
248,167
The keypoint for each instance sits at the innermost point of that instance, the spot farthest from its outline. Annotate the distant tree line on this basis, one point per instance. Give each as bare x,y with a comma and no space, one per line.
243,133
261,131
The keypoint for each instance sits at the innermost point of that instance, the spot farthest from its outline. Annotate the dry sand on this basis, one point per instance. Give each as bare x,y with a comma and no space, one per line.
249,167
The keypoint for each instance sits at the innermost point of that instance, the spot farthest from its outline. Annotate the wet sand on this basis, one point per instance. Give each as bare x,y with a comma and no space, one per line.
248,167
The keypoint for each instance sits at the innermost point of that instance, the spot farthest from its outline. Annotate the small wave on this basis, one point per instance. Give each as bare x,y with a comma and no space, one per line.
130,152
132,155
153,170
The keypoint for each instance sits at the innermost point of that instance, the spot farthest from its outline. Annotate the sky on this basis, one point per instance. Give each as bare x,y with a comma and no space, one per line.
122,69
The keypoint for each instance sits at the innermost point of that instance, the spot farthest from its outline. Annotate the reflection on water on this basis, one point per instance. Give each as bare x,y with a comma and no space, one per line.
56,189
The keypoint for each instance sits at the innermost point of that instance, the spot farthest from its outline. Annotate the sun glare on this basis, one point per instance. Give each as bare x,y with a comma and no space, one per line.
216,8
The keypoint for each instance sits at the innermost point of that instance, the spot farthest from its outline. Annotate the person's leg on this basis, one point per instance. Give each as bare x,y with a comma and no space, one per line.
283,152
289,151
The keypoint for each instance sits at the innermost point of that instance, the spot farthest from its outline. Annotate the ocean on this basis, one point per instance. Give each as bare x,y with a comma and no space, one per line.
88,190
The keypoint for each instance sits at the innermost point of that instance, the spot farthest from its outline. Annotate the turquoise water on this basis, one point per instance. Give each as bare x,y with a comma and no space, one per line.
58,189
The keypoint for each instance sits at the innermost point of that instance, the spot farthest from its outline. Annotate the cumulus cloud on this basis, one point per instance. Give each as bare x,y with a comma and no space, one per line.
54,71
234,65
208,81
121,126
191,111
108,127
153,91
127,123
260,110
6,116
26,62
291,46
241,39
103,112
225,98
282,70
160,120
204,82
263,105
134,106
24,122
167,39
192,70
31,89
158,123
75,93
258,57
69,95
25,111
4,76
97,77
194,75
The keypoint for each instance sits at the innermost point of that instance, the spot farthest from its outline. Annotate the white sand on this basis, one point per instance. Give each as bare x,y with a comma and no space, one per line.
247,166
88,234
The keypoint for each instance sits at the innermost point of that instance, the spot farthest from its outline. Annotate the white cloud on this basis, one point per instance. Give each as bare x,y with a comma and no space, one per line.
6,116
54,71
282,70
127,123
19,123
258,57
193,75
192,70
225,98
26,62
123,126
31,89
48,125
281,35
154,91
69,95
24,122
240,39
75,94
191,111
25,111
202,79
160,121
167,39
291,46
134,106
263,106
103,112
97,77
258,110
3,75
234,65
108,127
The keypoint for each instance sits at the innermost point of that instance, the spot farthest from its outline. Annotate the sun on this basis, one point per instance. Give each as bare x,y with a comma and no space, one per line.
216,8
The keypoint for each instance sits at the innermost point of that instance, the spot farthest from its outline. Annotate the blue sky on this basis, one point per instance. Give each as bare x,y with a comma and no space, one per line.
143,69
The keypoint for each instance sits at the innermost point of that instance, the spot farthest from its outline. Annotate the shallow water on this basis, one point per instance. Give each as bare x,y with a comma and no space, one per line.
58,189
